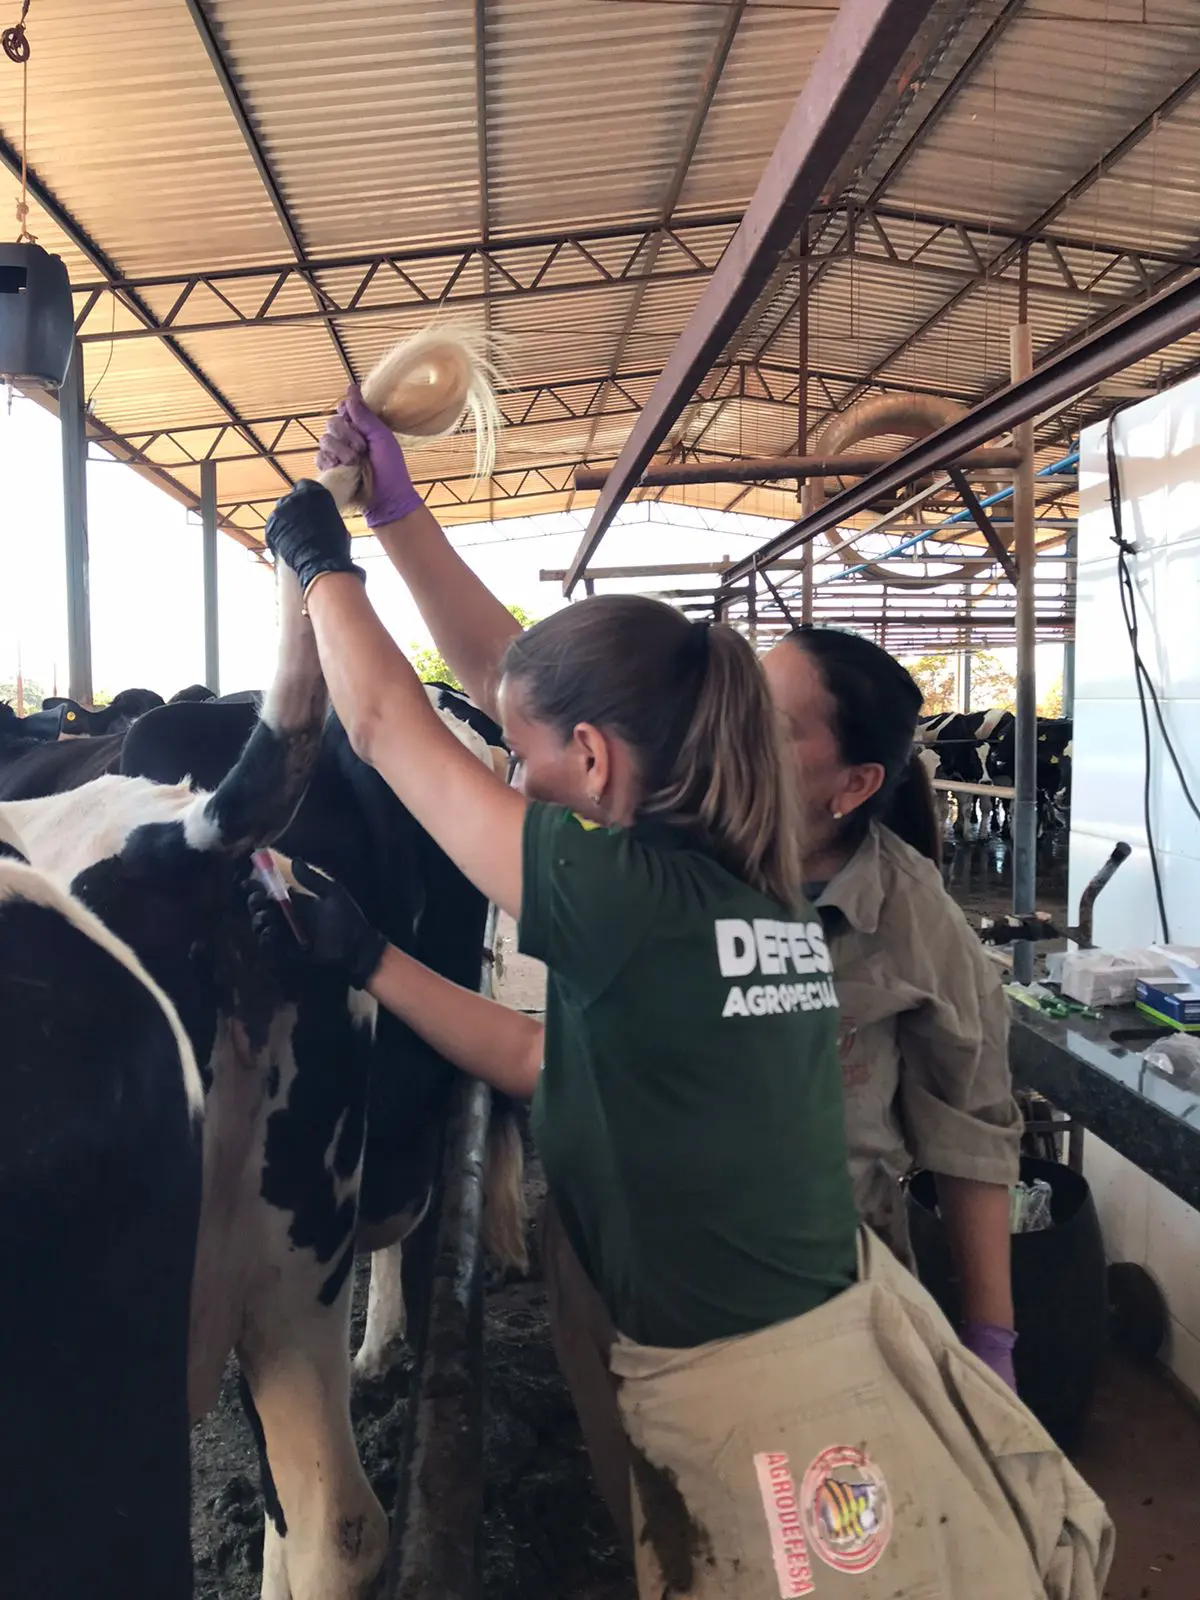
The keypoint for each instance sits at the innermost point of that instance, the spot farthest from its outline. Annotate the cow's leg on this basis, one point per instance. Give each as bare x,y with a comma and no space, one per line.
386,1318
941,801
385,1314
327,1533
295,1345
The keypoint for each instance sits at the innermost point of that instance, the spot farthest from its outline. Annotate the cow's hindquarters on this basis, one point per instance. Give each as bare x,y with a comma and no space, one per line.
99,1200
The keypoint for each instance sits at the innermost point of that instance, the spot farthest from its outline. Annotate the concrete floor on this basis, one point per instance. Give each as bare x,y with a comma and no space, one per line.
1142,1456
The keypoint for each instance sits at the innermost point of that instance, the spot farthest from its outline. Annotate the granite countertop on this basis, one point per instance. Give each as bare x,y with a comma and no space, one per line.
1095,1072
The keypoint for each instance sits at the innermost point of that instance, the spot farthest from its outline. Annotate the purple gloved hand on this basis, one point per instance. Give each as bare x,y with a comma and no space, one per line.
994,1347
355,437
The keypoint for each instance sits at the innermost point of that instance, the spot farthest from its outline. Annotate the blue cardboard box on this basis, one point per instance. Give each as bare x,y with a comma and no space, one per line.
1175,1005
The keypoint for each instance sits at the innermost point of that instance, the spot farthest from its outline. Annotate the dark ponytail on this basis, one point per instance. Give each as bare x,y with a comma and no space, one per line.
876,706
912,812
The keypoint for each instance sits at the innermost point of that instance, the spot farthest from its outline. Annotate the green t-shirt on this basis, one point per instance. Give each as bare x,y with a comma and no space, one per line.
689,1114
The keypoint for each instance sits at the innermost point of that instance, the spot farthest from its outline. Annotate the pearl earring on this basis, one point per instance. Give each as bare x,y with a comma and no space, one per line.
837,816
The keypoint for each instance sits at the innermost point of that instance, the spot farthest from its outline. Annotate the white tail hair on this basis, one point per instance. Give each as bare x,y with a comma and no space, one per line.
425,388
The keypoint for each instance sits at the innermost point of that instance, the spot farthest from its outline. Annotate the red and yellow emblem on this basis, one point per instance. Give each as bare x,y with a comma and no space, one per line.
847,1509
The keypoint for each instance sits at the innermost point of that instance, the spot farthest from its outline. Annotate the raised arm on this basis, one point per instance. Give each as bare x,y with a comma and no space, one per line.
475,817
469,625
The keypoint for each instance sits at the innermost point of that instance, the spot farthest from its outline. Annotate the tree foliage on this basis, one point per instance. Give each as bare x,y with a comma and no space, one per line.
430,665
993,686
1051,703
33,697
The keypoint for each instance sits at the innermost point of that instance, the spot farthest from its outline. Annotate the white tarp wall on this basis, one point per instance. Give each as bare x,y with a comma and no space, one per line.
1158,449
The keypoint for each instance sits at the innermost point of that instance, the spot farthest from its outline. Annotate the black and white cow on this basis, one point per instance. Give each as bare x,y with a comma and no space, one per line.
980,747
1054,749
100,1184
71,720
288,1068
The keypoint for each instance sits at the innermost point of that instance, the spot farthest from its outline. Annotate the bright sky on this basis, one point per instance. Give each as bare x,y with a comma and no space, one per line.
146,585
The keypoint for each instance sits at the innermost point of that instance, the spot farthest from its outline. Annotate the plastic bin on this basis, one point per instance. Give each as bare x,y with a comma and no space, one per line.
1059,1293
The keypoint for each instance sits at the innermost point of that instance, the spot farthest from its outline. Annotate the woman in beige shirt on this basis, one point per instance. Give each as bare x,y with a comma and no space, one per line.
924,1041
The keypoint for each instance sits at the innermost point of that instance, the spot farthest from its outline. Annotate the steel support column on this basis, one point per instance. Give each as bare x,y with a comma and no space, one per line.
862,50
1068,674
73,423
212,613
1025,821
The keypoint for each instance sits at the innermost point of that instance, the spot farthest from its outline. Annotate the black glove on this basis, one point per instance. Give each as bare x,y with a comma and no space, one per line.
306,532
338,936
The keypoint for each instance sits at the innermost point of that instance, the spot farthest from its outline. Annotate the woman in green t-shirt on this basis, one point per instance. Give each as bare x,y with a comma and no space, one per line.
688,1111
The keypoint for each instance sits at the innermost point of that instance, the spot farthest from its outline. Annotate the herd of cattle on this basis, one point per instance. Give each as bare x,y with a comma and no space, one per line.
194,1142
980,748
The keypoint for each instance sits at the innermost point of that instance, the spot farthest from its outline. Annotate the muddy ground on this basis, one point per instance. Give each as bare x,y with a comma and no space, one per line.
546,1536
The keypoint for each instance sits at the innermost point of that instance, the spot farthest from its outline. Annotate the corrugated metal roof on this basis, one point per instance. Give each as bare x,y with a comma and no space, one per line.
367,118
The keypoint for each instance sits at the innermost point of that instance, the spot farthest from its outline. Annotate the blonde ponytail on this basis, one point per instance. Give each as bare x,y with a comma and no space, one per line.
730,782
691,702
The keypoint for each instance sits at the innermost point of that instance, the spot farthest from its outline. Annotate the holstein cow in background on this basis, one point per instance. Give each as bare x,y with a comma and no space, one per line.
980,747
1054,743
305,1079
75,721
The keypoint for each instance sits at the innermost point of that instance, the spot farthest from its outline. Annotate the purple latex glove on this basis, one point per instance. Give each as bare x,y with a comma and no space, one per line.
994,1347
356,437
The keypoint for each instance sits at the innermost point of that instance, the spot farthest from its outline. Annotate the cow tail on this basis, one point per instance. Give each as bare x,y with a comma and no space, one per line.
505,1211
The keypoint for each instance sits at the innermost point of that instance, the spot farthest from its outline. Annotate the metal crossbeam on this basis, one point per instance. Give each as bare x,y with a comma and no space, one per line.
850,232
861,52
111,275
406,280
1059,265
1005,258
253,143
1172,316
521,483
527,406
708,89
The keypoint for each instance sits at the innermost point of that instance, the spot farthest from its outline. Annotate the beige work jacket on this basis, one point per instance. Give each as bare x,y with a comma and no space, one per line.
924,1039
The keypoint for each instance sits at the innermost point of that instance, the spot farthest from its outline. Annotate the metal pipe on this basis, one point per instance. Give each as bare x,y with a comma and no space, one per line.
72,421
1025,550
1068,677
863,48
208,537
669,569
844,464
439,1506
1161,321
1081,933
958,516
